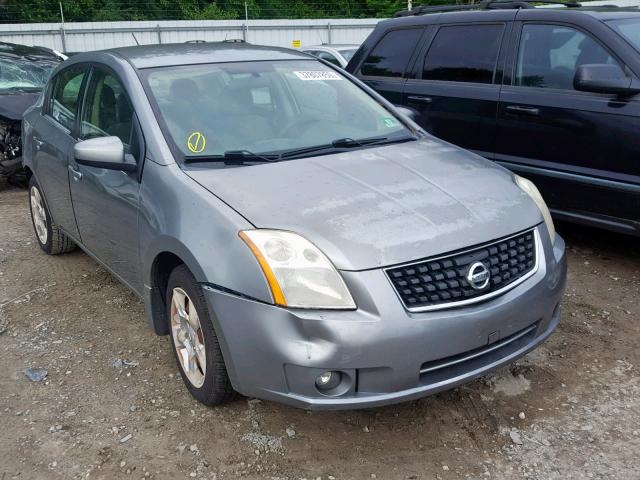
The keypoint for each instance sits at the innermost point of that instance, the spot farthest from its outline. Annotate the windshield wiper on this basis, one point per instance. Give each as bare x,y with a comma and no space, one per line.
342,144
350,142
234,157
242,157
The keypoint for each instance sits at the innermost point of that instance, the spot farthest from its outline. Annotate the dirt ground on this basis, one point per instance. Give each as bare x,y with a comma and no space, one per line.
113,405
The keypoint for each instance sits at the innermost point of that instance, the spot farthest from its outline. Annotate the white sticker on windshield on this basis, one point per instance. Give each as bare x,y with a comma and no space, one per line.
318,75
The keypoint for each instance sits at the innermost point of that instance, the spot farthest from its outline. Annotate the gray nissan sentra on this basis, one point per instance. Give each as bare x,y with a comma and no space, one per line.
296,237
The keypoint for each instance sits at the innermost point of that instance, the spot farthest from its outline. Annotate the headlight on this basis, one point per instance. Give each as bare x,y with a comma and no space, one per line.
297,272
530,189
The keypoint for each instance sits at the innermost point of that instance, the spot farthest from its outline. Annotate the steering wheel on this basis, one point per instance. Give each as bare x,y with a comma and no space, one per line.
296,127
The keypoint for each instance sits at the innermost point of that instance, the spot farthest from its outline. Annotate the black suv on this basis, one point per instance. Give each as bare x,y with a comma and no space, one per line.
550,93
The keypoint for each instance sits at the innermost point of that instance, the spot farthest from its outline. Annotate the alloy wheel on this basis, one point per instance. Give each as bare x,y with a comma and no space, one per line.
188,337
39,215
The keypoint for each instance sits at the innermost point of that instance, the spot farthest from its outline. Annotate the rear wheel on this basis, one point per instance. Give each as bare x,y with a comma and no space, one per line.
195,342
50,237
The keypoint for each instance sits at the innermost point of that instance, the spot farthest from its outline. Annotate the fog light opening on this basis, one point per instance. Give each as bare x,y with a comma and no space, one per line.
327,381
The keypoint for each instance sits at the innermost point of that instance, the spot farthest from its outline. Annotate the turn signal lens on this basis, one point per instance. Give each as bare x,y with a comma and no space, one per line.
530,189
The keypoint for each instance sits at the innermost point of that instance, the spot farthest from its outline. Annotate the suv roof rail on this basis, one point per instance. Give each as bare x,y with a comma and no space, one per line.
482,5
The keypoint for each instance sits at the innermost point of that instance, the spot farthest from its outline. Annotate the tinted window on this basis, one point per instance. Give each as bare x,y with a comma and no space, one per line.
464,54
64,98
390,57
550,54
107,111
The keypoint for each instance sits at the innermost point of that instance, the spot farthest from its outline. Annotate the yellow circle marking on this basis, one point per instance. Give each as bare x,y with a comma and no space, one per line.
196,143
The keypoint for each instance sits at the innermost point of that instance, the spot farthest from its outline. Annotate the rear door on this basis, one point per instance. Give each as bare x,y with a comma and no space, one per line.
53,140
386,67
457,85
105,201
581,148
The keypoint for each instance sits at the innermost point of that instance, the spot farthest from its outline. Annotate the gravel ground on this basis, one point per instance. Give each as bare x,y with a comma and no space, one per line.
113,406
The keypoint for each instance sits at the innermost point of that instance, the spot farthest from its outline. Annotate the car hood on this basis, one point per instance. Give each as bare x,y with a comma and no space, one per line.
379,206
13,106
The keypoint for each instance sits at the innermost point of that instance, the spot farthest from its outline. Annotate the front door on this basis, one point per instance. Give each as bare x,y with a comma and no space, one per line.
456,93
53,140
105,202
580,148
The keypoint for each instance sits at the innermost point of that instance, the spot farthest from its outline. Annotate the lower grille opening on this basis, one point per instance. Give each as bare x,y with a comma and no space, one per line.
446,368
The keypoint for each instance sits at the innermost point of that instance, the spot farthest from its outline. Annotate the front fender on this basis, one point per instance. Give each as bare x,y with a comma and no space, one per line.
179,216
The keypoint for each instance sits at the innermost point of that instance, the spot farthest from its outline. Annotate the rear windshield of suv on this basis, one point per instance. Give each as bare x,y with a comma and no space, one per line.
629,28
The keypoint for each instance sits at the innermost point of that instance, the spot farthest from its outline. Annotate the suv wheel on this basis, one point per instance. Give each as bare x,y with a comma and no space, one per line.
195,342
50,238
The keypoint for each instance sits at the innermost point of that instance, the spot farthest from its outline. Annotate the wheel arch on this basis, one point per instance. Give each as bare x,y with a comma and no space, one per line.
163,262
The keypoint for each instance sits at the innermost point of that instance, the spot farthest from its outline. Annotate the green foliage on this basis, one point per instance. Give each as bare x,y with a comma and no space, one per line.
386,8
22,11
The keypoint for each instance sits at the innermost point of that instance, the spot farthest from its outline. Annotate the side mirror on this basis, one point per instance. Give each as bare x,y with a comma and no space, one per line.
407,112
602,78
104,152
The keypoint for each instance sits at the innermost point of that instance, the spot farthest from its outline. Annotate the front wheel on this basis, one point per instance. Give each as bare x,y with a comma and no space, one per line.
195,342
50,237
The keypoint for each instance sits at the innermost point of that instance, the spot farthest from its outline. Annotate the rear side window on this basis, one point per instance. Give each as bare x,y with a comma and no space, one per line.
65,95
464,53
549,56
390,56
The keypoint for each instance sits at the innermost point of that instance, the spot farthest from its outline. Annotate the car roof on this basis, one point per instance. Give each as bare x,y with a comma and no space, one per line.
602,13
164,55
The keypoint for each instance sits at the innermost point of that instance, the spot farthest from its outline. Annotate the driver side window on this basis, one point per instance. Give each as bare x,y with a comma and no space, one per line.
549,56
107,110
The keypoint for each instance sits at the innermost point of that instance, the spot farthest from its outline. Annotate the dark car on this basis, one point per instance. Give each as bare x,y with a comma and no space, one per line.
23,73
550,93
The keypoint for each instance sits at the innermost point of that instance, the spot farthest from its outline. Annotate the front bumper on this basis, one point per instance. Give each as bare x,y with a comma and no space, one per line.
384,353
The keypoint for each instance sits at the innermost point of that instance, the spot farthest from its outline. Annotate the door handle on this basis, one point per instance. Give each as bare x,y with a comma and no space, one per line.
522,110
419,99
37,143
77,175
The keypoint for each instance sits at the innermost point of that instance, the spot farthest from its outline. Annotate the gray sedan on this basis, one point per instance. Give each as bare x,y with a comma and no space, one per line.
295,236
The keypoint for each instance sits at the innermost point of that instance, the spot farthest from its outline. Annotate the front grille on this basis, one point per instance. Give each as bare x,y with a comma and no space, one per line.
442,282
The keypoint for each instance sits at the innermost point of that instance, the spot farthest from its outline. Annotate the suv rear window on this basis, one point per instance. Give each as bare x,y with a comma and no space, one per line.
390,56
464,53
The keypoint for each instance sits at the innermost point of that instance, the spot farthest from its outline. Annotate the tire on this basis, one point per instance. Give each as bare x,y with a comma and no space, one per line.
50,237
211,386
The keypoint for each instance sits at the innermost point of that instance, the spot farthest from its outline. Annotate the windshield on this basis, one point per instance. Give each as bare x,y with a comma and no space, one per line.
265,107
348,53
629,28
24,74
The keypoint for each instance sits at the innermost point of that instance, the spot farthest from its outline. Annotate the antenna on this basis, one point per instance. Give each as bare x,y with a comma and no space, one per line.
134,37
63,33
